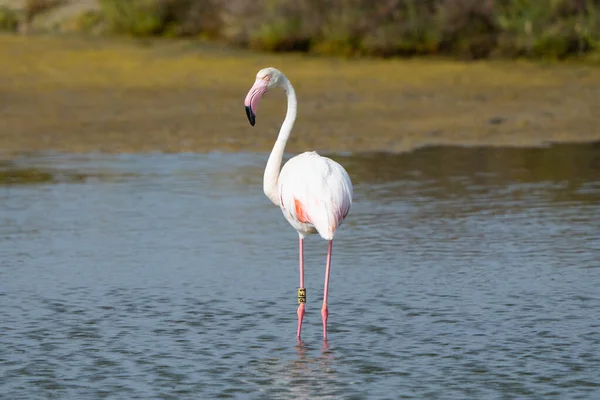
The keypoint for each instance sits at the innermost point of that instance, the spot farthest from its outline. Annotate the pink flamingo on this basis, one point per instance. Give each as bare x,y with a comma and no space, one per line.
313,192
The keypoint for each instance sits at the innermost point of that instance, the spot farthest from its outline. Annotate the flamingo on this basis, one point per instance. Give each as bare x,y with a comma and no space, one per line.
313,192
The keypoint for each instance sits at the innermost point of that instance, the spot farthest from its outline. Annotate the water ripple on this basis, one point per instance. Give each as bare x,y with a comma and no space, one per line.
472,279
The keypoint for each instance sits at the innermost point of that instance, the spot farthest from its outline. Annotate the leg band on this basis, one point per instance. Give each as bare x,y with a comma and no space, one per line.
301,295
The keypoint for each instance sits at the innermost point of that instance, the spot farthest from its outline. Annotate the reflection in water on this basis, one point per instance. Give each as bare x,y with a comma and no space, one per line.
311,374
460,273
487,165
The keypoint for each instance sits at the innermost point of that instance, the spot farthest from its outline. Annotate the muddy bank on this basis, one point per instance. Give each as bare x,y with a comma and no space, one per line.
95,95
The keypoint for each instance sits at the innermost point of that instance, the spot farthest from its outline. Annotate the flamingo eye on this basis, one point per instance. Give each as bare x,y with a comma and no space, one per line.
267,78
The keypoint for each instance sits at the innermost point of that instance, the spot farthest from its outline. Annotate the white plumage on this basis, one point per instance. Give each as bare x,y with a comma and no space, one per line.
315,194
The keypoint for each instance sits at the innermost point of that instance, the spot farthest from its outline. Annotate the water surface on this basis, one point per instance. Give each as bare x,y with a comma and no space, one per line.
460,273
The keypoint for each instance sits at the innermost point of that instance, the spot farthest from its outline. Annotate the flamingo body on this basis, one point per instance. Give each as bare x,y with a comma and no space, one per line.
315,194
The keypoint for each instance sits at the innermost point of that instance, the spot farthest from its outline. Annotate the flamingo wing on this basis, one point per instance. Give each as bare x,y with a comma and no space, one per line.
315,192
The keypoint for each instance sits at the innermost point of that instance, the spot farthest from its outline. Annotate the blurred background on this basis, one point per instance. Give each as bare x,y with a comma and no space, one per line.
462,28
139,257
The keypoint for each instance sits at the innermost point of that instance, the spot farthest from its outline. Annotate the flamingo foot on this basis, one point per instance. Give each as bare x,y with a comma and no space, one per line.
300,317
324,315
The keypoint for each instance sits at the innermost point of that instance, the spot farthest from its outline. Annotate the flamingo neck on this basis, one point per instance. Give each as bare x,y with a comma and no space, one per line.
273,167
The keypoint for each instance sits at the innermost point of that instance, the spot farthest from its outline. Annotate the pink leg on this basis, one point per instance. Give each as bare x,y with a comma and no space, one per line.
324,311
301,306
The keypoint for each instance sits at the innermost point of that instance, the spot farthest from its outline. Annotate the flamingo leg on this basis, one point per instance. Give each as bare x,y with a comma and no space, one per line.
301,306
324,311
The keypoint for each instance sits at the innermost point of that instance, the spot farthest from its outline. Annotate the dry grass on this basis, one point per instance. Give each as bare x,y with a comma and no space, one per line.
75,95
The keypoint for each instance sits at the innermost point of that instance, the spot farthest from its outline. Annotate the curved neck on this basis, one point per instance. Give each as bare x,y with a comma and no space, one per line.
273,167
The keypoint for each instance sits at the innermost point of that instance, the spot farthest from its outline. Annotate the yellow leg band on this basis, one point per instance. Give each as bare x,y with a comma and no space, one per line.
301,295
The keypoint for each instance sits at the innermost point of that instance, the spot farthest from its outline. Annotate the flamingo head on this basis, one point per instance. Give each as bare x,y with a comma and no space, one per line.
266,78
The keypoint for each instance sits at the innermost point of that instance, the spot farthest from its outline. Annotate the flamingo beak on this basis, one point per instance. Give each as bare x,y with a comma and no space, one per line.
253,97
251,116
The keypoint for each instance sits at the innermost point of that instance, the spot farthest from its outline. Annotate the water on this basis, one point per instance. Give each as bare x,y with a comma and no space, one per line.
460,273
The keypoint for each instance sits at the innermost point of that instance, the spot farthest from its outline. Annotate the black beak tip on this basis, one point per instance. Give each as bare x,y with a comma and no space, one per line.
251,116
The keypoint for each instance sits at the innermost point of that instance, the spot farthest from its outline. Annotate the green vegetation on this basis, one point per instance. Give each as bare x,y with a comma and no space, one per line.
140,18
159,17
470,29
9,20
462,28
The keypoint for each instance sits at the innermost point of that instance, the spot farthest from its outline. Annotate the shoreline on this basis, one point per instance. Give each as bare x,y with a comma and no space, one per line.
72,95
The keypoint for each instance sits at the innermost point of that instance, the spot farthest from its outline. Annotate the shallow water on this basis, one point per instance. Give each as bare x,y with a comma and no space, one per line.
460,273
